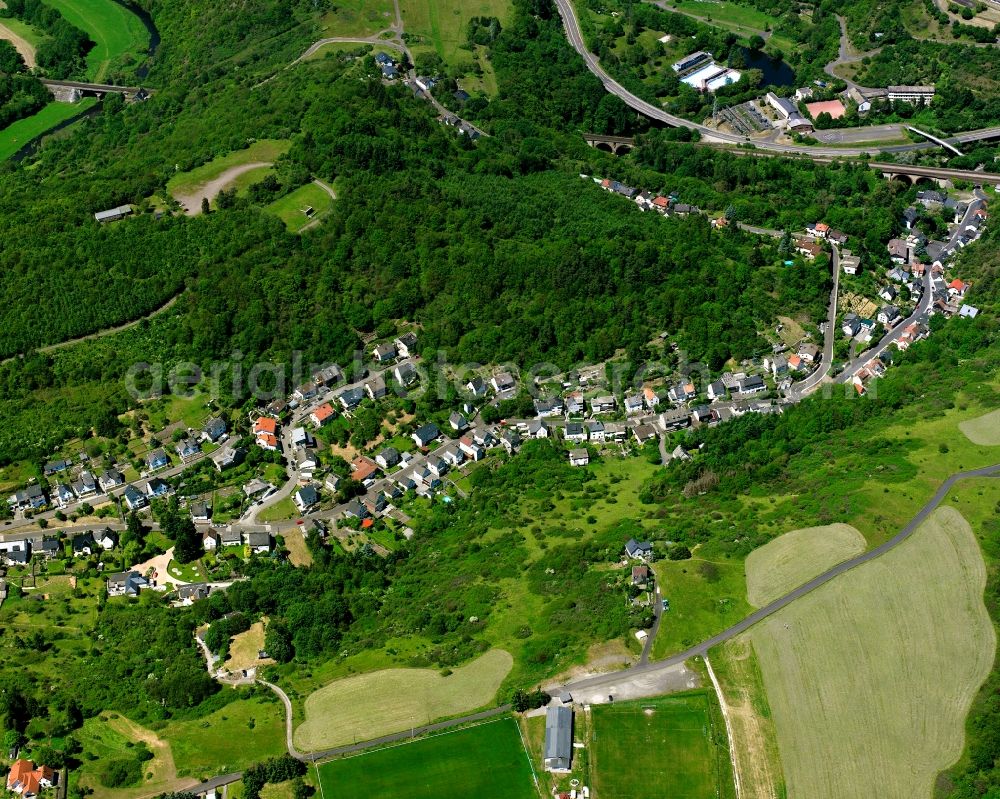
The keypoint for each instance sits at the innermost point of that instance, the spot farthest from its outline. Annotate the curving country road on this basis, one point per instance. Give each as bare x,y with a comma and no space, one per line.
809,385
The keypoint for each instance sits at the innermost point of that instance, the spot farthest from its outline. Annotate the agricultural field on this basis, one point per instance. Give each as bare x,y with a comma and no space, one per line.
20,133
369,705
984,430
755,744
116,31
670,746
870,676
485,760
207,180
794,558
440,25
290,208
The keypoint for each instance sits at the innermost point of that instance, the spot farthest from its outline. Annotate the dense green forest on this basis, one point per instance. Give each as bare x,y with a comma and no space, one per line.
21,95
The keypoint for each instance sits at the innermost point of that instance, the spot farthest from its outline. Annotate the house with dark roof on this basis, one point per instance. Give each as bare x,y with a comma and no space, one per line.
111,478
126,584
306,497
84,544
214,429
350,398
157,459
424,435
133,498
638,550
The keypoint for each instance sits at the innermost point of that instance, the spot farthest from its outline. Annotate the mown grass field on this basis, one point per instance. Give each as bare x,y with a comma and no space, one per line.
358,18
486,760
794,558
441,24
31,35
870,676
671,746
983,430
188,183
290,207
15,136
754,744
113,28
391,700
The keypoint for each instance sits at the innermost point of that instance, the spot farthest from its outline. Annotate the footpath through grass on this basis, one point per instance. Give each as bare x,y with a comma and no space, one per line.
485,760
670,746
114,29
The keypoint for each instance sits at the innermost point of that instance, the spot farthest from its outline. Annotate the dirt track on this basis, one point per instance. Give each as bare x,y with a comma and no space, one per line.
21,44
192,202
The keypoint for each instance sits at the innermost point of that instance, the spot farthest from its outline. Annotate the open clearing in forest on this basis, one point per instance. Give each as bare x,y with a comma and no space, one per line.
382,702
671,746
486,760
870,676
291,208
984,431
244,649
441,25
796,557
207,180
23,37
114,29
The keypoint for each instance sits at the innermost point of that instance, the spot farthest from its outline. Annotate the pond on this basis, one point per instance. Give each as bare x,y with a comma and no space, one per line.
776,73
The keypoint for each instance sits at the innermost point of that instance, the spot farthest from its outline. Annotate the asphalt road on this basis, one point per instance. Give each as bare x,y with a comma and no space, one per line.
808,385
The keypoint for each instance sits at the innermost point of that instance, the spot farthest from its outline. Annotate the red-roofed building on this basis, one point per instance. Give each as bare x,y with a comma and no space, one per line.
366,523
661,203
265,424
26,780
821,229
267,441
322,415
363,468
957,288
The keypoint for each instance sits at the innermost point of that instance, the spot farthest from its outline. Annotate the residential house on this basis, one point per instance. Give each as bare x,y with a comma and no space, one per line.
957,288
406,345
551,406
55,467
810,249
536,428
575,403
111,478
157,488
819,229
502,382
595,430
405,374
702,415
193,592
638,550
851,325
511,441
910,217
640,575
25,779
575,431
276,408
230,537
260,543
305,498
795,363
452,455
83,544
320,416
133,498
304,392
332,482
930,198
31,497
968,312
682,392
214,429
558,748
849,262
48,548
752,385
716,390
897,275
376,388
85,485
377,504
187,448
227,457
350,398
306,462
106,540
888,315
384,353
674,419
210,540
634,404
579,457
425,435
899,251
809,352
265,430
437,466
476,387
328,376
363,468
888,293
615,431
777,365
837,236
603,404
157,459
458,422
650,397
355,510
644,433
64,495
406,481
302,438
387,458
471,448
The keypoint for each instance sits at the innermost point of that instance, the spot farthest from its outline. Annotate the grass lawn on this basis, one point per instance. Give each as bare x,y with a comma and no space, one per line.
235,736
15,136
794,558
441,24
192,572
486,760
705,597
115,30
870,676
298,552
722,11
984,430
31,35
358,18
682,742
381,702
290,207
244,647
264,150
283,509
